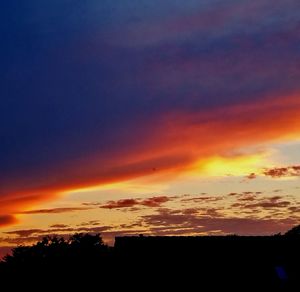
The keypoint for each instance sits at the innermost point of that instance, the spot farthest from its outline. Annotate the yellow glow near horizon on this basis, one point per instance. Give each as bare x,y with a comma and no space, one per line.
240,165
236,166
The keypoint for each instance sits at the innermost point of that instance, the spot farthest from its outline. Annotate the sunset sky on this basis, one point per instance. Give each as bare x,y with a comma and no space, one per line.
158,117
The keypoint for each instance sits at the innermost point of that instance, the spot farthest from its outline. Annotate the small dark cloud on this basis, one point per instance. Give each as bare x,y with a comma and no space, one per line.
244,194
233,194
295,209
23,233
155,201
236,205
278,172
202,199
55,210
89,223
130,203
91,204
190,211
267,205
125,203
251,176
248,197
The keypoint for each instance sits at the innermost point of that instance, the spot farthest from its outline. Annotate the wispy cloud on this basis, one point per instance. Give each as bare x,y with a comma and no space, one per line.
55,210
193,224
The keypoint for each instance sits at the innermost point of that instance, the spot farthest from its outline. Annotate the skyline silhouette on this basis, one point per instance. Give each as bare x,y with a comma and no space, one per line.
258,261
177,120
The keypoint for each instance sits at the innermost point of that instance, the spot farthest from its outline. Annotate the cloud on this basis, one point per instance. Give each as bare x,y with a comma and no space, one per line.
26,232
295,209
272,203
155,201
185,82
244,213
242,204
233,194
251,176
266,205
54,210
278,172
126,203
248,197
23,233
202,199
191,224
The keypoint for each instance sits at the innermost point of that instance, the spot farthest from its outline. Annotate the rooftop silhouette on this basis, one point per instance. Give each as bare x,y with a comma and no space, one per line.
270,262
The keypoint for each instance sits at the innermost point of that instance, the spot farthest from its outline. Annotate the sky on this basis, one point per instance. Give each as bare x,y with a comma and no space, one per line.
173,117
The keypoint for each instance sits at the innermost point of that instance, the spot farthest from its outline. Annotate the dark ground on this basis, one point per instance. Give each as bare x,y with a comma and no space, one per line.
140,263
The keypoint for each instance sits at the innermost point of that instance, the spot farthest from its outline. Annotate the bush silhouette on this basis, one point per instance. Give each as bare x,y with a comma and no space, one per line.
255,260
55,249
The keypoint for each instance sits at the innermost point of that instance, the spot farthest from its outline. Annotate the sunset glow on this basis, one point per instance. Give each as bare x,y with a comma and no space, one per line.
154,117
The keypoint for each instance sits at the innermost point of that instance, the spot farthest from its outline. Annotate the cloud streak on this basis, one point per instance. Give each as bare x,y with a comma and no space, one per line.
191,224
55,210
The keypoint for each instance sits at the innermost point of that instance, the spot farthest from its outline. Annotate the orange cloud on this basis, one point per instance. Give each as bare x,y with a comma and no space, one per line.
172,143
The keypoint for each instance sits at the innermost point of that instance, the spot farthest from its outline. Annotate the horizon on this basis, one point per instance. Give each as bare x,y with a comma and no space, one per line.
162,118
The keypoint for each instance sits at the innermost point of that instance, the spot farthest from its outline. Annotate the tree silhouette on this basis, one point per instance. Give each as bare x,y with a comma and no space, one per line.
295,231
261,260
57,249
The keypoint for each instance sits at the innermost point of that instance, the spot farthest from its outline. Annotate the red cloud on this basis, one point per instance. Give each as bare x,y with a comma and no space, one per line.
278,172
155,201
126,203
